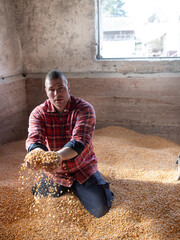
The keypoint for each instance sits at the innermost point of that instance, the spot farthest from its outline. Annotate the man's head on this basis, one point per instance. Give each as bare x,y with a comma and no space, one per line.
57,89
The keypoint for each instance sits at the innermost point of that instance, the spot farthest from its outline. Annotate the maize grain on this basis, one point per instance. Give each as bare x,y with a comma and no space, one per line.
141,171
40,158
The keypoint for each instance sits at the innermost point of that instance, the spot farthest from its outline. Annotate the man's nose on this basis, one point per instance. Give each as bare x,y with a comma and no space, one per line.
56,92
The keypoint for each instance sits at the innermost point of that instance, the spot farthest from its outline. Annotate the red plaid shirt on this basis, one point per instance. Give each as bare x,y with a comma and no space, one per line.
47,127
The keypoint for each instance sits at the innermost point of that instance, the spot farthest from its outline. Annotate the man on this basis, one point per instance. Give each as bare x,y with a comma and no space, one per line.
65,124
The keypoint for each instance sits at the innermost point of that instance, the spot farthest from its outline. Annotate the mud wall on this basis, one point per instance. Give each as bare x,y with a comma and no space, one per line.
13,104
149,103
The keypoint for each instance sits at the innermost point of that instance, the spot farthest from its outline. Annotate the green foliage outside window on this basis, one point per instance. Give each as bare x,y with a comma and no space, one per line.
113,8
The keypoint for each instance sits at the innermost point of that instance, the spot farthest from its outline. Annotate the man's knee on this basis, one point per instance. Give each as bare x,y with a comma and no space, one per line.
100,210
95,195
100,206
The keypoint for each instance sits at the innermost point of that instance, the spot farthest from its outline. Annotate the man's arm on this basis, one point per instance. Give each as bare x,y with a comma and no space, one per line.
67,153
63,154
36,131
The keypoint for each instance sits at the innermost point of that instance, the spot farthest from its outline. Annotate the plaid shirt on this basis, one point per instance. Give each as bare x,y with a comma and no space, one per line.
50,129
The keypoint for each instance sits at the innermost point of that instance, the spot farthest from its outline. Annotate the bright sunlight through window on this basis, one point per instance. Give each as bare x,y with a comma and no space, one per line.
138,29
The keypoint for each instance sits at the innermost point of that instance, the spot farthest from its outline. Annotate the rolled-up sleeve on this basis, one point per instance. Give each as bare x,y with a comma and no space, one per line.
83,133
36,130
85,125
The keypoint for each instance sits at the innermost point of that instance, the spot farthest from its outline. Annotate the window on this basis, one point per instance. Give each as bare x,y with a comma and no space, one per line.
138,29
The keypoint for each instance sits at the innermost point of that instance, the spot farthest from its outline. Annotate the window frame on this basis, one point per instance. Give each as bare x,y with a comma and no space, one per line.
98,45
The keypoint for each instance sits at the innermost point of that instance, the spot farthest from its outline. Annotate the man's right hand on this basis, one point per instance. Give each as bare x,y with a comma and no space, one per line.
33,159
39,159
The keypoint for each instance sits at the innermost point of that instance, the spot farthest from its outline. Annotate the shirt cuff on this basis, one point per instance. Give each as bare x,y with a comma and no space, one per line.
76,146
37,145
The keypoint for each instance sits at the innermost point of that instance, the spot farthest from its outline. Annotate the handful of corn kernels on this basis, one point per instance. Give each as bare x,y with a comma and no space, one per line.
41,158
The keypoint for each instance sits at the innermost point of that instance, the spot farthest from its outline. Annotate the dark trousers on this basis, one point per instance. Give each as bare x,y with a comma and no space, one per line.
94,193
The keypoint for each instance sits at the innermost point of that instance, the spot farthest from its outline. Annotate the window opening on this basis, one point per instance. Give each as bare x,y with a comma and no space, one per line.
138,29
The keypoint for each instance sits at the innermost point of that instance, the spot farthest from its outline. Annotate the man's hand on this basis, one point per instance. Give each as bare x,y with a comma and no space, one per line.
52,160
49,167
33,159
33,166
39,159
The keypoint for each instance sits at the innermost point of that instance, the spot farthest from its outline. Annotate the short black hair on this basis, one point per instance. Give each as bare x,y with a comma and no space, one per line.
55,74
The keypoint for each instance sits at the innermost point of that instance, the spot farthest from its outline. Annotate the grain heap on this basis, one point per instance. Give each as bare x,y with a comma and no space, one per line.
142,173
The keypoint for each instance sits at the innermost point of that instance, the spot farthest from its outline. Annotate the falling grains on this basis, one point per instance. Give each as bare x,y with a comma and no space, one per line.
142,174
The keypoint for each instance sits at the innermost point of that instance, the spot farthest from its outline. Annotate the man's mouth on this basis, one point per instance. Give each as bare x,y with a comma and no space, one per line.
58,100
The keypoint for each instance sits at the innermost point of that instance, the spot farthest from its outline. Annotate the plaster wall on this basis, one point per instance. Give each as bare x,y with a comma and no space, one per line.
13,104
61,34
10,45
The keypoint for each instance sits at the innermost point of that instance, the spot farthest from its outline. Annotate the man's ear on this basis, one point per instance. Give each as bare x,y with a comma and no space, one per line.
45,90
69,87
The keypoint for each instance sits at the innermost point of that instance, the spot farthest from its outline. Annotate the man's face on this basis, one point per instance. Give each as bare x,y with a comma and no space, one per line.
57,91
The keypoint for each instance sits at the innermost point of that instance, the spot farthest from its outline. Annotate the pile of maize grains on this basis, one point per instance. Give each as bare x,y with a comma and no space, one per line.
142,174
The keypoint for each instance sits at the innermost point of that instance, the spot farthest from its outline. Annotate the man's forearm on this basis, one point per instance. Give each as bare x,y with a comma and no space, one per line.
67,153
37,146
38,149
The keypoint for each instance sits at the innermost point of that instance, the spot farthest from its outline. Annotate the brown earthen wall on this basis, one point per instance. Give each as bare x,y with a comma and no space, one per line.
13,109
